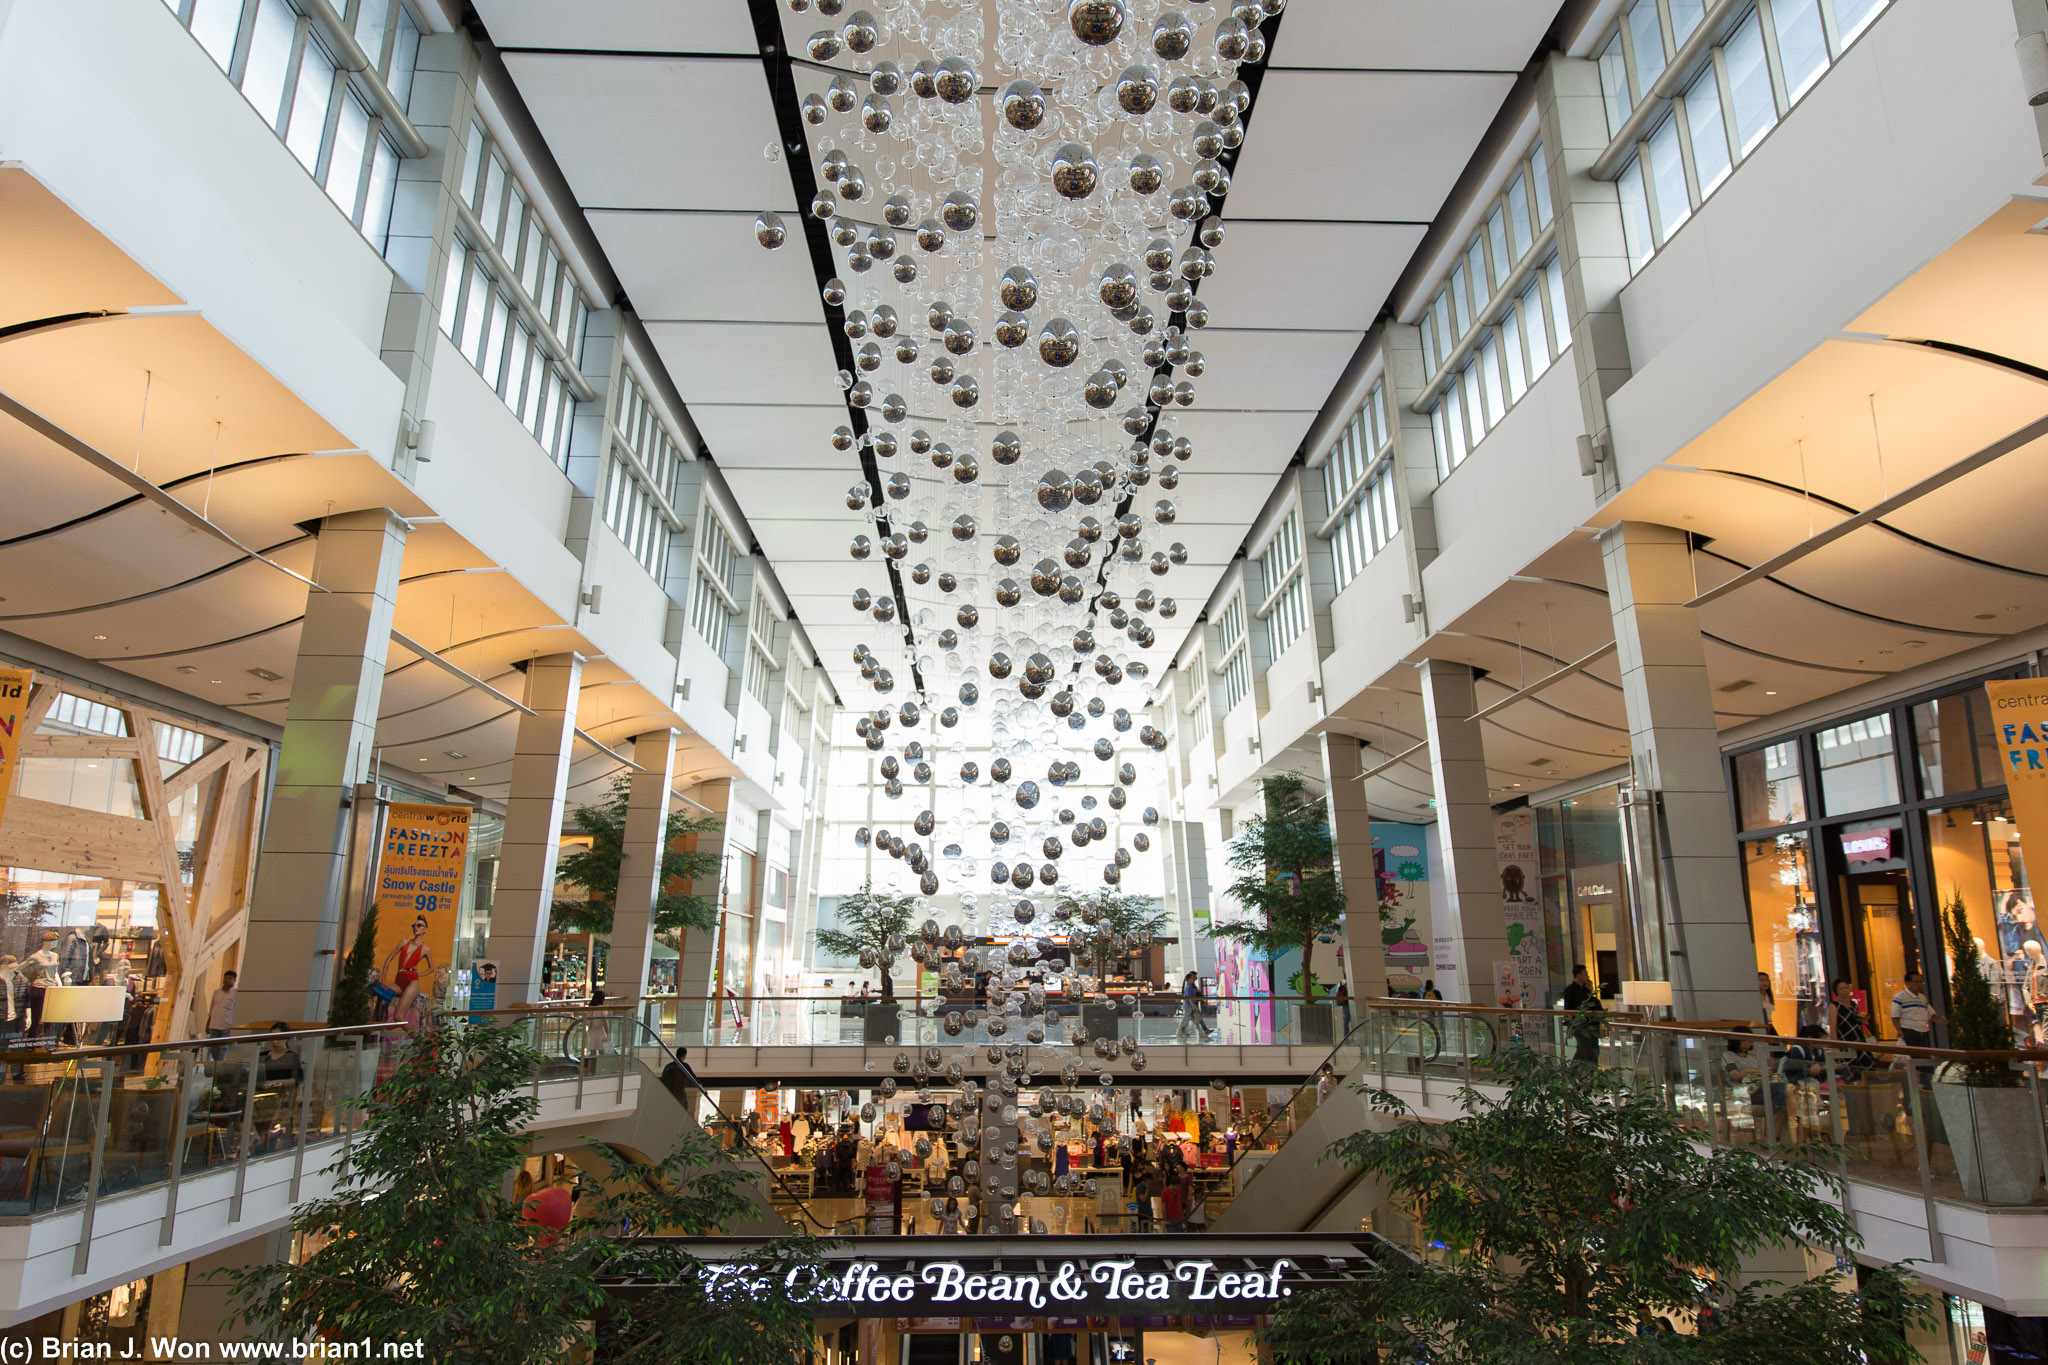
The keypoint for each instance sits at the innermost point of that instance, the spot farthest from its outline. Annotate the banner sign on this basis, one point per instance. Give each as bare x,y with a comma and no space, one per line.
1102,1284
1515,847
419,891
14,694
2019,717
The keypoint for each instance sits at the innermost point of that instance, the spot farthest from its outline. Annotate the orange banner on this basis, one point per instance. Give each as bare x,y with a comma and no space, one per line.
14,695
2019,717
419,893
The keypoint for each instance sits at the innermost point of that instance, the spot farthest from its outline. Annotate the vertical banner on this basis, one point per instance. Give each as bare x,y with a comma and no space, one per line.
1521,907
2019,717
419,891
14,694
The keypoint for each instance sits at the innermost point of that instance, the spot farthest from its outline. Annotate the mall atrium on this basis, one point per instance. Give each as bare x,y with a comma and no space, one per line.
1015,615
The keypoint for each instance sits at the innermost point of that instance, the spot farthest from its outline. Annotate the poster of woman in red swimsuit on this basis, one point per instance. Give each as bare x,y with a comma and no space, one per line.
413,960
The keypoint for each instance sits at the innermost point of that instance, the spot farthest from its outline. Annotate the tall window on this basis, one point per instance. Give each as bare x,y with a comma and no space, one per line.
1284,571
1533,329
1358,488
511,304
1724,108
1197,709
714,599
1234,644
640,487
331,118
760,669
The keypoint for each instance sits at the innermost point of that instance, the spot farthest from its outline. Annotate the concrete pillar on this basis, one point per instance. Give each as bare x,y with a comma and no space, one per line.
1591,250
1474,921
330,732
533,826
1676,754
646,839
206,1306
1365,954
698,969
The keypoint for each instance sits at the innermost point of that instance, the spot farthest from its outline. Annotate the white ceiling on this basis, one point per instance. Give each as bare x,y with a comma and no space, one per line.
660,117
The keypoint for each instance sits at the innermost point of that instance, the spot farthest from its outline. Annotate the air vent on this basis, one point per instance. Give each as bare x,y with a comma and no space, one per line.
267,675
1542,762
1737,685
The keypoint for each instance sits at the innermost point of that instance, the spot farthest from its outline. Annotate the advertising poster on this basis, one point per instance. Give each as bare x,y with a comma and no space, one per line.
483,986
419,891
1521,907
1400,860
14,694
2019,717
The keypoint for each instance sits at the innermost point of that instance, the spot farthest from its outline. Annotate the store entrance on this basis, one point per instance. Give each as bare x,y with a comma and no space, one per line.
1882,938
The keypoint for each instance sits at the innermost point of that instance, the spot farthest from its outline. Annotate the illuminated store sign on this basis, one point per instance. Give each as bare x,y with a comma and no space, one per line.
1101,1283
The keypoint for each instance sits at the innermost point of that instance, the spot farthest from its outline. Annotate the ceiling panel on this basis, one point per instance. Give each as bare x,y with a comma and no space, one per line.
621,25
1271,370
1450,35
1314,275
744,362
648,132
1297,164
699,267
771,436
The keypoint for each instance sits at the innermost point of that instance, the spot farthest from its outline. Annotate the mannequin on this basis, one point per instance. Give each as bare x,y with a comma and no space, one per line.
74,959
2037,986
46,955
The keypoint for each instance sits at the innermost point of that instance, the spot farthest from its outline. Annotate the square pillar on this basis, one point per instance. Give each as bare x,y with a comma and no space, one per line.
533,826
1365,954
330,735
1675,753
697,971
646,841
1464,810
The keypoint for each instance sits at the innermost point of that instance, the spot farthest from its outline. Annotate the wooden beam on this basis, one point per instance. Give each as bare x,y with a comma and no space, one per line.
201,767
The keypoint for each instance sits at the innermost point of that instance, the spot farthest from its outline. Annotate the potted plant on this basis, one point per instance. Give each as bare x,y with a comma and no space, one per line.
1287,879
874,927
1114,924
349,1007
1990,1115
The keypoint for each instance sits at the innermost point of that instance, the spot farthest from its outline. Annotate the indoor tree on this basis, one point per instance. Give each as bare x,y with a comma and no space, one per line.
1575,1212
349,1005
596,870
1287,876
873,927
422,1243
1114,918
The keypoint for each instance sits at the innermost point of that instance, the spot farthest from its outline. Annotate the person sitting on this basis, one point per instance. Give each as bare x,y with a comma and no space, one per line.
280,1060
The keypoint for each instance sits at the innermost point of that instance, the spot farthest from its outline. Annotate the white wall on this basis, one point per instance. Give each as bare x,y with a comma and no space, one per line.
1913,139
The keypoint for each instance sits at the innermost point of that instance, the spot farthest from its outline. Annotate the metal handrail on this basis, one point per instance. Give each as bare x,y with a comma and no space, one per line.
54,1056
740,1138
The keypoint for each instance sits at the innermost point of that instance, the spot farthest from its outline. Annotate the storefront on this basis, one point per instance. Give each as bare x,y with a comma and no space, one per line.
1853,834
1588,904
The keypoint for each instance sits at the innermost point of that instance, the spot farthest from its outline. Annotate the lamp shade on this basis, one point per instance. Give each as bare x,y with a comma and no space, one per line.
83,1004
1652,993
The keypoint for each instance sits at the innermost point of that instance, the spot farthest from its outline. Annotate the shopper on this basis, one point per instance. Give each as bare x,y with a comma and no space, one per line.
220,1011
1343,1000
1583,999
1141,1203
1913,1016
1850,1027
1326,1081
1191,1007
1430,992
1170,1204
949,1219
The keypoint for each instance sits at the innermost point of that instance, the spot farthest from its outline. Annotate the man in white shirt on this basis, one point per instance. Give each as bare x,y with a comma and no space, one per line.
1913,1016
220,1013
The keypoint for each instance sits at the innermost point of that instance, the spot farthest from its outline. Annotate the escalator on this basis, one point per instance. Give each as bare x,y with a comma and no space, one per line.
1291,1185
673,1105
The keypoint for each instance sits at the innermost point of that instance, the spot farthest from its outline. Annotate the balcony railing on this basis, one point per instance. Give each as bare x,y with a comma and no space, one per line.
1125,1020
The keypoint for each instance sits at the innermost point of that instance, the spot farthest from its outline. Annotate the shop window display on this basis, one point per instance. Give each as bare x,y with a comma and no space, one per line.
1785,923
1976,855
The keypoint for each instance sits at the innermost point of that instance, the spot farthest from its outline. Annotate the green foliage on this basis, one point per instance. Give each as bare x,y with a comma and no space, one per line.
1110,916
1287,876
596,870
1574,1211
875,923
1977,1021
423,1242
349,1006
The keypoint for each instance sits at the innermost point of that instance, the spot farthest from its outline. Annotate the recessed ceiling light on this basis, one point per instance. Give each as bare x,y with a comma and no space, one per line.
99,637
216,681
419,760
1771,692
187,668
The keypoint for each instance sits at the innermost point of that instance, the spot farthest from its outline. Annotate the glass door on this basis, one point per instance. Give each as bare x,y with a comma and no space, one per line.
1877,922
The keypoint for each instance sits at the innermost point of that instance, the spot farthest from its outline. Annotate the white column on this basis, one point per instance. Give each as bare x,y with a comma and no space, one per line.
533,826
1464,812
330,733
1676,753
1365,954
645,840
